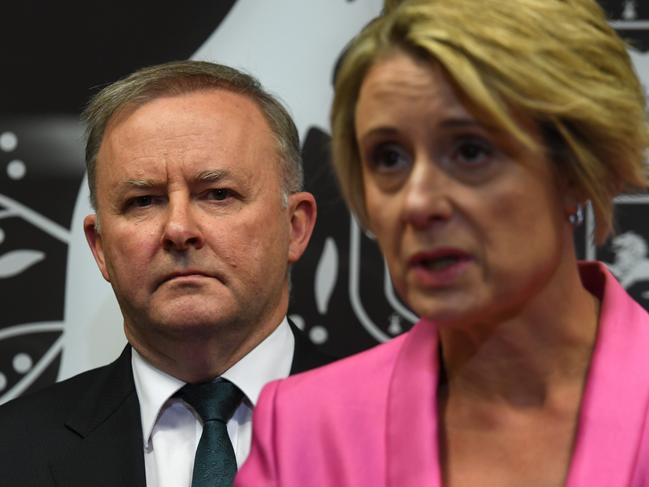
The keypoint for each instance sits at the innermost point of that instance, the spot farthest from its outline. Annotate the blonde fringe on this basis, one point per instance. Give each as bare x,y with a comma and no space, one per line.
555,62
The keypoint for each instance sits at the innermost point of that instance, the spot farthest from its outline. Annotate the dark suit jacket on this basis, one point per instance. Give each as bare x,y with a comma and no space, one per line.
86,431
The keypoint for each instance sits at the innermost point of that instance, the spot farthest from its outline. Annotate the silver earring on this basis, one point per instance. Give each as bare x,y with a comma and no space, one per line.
577,218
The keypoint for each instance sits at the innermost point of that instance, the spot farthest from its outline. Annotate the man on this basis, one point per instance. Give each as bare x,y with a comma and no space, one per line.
195,176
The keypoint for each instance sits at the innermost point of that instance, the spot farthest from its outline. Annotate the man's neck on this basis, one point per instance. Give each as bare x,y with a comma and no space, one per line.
199,357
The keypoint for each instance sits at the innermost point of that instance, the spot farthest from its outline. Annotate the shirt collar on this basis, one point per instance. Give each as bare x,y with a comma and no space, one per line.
269,360
154,387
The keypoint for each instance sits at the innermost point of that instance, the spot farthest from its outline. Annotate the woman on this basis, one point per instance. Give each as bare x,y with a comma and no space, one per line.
468,135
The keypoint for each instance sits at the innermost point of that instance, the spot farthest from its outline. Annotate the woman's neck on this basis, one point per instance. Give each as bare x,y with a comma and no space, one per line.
524,360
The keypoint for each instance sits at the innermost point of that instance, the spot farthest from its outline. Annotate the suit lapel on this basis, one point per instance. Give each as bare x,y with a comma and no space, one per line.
107,420
306,356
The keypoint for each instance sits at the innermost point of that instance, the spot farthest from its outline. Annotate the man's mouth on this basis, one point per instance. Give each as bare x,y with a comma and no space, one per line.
188,273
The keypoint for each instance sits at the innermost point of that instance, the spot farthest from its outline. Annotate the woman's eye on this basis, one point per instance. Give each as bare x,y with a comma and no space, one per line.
389,158
472,152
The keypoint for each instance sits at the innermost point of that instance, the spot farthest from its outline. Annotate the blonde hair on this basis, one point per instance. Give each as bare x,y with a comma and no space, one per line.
555,62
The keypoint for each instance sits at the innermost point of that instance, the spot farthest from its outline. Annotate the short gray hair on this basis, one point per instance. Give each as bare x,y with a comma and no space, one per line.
180,77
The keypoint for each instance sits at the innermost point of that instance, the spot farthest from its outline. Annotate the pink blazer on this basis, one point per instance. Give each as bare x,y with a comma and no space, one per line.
371,419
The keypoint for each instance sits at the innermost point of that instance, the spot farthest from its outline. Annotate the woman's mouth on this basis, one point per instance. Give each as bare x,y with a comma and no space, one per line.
440,267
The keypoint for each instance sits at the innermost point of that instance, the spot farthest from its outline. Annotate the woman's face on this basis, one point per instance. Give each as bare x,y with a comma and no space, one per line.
472,224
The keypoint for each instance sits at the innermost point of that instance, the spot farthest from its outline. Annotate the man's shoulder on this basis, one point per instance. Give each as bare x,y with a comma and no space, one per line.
306,355
46,431
54,401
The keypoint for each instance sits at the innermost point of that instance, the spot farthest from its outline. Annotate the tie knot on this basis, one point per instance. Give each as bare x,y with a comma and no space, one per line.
212,400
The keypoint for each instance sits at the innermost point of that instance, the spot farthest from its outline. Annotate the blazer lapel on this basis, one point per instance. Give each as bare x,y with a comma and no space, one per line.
612,441
616,398
412,434
107,419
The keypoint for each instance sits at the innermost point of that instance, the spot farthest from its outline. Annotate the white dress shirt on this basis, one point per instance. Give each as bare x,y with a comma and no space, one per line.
171,429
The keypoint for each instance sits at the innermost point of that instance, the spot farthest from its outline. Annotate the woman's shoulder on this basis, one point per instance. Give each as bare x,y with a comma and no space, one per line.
361,375
362,363
616,304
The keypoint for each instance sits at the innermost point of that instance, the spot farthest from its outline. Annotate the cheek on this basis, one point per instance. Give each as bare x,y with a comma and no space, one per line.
131,250
382,213
522,233
390,237
392,234
248,245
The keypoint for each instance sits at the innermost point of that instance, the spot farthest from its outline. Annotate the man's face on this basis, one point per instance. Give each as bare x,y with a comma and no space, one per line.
193,233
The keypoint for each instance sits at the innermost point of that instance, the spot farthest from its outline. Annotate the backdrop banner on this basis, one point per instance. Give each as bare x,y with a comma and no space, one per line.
59,317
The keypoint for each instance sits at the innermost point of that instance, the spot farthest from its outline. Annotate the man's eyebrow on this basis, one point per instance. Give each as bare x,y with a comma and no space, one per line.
140,183
212,175
125,187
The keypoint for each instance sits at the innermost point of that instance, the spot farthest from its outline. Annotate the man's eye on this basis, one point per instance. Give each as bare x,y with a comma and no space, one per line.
141,201
389,158
218,194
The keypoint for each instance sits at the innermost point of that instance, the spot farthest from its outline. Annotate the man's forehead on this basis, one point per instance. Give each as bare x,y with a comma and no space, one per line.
200,176
229,147
218,99
177,124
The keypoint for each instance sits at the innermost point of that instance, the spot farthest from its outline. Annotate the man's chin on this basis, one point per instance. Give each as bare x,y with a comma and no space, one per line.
177,309
182,321
190,324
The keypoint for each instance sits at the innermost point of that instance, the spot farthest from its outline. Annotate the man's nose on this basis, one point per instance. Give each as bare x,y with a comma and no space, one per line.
181,229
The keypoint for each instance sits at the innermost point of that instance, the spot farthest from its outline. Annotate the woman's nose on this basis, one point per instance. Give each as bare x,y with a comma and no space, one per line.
427,195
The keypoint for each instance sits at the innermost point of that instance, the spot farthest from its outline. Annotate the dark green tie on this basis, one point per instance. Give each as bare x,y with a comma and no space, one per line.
215,402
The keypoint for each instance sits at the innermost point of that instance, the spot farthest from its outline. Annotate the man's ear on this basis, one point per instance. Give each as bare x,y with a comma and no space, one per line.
93,237
302,213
